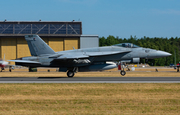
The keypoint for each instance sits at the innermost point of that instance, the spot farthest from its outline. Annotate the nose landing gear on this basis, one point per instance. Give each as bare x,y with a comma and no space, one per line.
121,69
123,73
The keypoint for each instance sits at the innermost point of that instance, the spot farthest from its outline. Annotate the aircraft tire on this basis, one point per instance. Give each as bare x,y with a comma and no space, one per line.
70,73
123,73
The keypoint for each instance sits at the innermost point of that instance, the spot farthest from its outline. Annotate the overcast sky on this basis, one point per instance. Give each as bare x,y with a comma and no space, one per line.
123,18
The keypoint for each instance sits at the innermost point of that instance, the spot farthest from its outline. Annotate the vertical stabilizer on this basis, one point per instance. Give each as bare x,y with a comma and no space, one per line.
37,46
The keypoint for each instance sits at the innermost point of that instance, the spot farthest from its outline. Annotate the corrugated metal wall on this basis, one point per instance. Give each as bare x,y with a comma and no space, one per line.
71,42
22,48
46,40
8,48
17,47
89,41
57,44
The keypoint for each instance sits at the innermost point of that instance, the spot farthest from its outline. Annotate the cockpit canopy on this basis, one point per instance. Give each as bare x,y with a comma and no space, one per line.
126,45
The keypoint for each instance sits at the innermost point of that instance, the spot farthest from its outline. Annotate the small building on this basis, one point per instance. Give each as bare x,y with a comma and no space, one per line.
89,41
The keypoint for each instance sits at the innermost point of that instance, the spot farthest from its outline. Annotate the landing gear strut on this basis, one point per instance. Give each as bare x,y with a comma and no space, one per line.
177,69
10,68
2,69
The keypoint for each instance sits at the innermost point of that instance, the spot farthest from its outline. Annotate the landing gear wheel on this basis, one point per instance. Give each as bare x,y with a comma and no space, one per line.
70,73
2,69
123,73
10,69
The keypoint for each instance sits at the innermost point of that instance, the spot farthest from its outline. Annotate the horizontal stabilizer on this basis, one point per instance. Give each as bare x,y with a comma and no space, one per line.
25,61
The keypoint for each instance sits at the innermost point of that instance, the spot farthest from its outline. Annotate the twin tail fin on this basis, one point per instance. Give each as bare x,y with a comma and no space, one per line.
37,46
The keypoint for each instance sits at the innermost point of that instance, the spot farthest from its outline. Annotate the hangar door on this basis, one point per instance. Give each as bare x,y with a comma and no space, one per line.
70,43
56,44
22,48
8,48
46,40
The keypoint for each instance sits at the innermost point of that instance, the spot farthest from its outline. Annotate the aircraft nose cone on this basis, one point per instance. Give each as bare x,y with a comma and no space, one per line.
163,54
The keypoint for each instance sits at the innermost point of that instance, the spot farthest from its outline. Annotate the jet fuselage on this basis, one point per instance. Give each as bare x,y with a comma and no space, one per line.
131,54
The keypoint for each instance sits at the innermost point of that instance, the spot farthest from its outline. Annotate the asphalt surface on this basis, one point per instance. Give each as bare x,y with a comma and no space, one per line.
90,80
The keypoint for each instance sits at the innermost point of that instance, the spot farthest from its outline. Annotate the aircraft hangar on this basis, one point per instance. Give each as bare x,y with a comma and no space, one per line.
58,35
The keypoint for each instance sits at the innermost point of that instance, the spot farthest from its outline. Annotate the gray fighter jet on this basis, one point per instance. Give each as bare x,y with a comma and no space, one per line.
87,59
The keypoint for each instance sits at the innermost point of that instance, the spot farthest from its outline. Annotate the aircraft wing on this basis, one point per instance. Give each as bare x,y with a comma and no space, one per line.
81,55
95,54
72,56
25,61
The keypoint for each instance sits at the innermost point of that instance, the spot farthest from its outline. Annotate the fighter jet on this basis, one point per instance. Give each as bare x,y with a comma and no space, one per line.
4,64
86,59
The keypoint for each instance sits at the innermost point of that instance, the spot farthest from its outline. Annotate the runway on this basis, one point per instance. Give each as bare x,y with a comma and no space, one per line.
90,80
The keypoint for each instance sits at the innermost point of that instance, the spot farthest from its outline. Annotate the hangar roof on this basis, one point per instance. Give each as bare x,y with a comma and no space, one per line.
42,28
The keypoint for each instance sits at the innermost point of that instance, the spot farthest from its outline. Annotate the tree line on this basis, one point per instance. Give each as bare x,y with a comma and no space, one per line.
171,45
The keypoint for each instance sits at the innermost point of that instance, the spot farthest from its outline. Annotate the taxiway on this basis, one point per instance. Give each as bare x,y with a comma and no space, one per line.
90,80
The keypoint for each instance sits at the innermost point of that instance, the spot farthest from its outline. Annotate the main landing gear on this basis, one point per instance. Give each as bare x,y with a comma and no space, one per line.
10,69
72,72
177,69
2,69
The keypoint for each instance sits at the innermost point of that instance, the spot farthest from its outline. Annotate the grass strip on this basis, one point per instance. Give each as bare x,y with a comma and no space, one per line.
90,98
